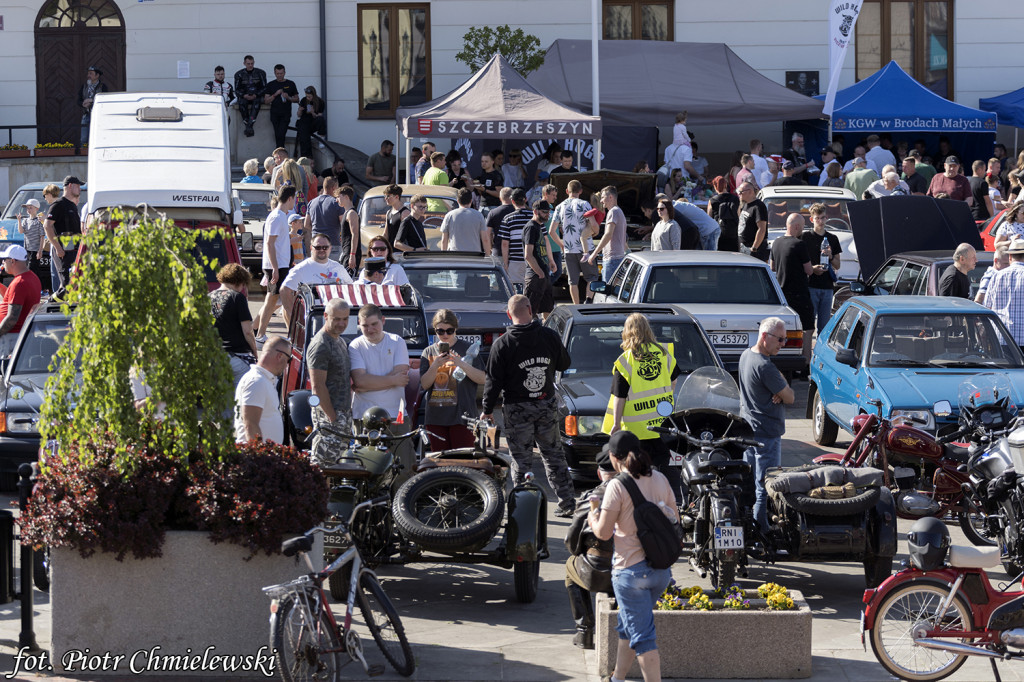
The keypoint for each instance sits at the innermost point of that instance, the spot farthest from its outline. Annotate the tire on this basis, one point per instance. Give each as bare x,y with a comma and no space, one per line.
876,570
969,524
823,429
41,569
449,508
842,507
339,582
527,577
901,611
298,649
723,573
1008,539
382,620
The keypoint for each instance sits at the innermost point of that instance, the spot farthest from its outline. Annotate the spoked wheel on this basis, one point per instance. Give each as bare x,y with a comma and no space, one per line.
975,528
382,620
527,577
1008,539
449,507
914,608
306,651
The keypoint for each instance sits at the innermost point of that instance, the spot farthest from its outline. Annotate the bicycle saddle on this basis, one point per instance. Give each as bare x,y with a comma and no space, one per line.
303,543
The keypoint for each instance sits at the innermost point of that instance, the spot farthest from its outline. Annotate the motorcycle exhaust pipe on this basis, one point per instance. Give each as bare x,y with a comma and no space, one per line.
702,572
956,647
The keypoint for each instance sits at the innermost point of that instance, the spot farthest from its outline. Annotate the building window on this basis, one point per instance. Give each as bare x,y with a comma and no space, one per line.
394,58
638,20
916,34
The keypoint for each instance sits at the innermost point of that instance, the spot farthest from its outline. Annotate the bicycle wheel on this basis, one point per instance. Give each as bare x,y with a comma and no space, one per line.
384,624
306,646
914,607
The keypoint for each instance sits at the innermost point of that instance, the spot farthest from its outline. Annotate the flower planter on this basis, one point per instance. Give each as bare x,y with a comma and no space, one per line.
15,153
197,596
67,151
719,644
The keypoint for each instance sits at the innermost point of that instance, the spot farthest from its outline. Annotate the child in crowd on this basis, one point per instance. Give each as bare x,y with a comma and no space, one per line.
295,237
679,134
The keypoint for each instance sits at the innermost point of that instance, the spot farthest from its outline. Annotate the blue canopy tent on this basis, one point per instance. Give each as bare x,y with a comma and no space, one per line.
890,101
1009,108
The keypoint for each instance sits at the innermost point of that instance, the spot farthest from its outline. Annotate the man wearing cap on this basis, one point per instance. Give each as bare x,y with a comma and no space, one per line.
952,182
789,175
63,227
860,178
770,176
540,267
1005,293
280,94
22,295
373,271
510,234
589,567
828,157
86,95
380,167
32,228
316,270
522,368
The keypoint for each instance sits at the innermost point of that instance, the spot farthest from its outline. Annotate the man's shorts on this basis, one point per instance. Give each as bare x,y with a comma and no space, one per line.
575,266
542,298
272,288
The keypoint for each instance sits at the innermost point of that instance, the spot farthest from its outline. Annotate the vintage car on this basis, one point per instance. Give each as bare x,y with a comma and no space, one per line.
403,315
593,334
373,209
254,200
913,273
908,352
785,199
729,293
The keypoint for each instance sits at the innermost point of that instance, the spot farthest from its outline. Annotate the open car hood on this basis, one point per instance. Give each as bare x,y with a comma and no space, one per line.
890,225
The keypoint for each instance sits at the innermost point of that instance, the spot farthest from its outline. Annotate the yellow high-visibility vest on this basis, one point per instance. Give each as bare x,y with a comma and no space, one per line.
650,382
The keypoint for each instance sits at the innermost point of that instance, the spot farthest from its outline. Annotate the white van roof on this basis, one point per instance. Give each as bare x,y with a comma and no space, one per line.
163,163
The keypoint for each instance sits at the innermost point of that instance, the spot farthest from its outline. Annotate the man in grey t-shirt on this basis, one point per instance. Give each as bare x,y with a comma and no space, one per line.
323,216
764,395
330,376
465,229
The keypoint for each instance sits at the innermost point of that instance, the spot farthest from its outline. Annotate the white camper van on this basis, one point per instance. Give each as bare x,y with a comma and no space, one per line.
170,152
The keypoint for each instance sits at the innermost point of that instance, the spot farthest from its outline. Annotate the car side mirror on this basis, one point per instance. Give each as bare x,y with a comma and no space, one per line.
599,287
847,356
858,287
942,408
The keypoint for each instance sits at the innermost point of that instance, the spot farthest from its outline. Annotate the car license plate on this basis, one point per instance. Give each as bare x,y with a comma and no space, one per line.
333,540
676,459
469,338
730,339
728,537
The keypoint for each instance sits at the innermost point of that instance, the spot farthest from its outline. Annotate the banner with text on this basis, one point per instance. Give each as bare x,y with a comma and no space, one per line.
842,18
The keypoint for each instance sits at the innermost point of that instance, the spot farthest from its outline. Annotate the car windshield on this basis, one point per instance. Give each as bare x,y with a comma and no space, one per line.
255,204
40,346
373,209
723,284
837,216
943,340
458,284
595,347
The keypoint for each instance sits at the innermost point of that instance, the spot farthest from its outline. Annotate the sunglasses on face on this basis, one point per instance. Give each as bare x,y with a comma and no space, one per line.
444,331
321,248
378,248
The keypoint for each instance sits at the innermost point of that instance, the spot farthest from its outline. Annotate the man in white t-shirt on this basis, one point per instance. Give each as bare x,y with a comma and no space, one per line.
257,402
317,269
380,365
465,229
760,163
277,254
568,227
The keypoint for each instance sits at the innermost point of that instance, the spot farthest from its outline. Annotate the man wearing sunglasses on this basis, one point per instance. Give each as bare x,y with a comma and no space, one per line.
317,269
257,403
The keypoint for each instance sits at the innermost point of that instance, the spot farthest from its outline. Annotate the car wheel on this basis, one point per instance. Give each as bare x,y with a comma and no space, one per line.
823,429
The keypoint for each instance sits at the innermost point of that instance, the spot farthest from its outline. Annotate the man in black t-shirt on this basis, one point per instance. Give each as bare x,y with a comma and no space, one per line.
820,284
954,280
917,183
337,171
63,227
495,216
792,267
538,261
489,182
412,235
280,94
753,223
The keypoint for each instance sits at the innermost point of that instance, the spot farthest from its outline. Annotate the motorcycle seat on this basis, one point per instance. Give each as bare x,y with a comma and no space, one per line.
967,556
346,470
956,453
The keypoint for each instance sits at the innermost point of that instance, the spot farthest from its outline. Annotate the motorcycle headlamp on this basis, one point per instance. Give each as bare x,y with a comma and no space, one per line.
922,419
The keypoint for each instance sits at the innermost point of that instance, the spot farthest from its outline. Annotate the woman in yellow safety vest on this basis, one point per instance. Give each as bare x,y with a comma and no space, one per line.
643,376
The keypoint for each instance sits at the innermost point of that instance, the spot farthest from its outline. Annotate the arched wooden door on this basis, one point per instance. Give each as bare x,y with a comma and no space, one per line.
71,36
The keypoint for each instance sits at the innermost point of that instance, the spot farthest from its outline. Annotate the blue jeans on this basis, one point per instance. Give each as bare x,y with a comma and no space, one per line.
821,302
637,588
557,255
761,460
709,242
609,266
54,272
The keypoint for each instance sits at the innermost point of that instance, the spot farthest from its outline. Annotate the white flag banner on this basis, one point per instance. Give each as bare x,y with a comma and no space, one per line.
841,19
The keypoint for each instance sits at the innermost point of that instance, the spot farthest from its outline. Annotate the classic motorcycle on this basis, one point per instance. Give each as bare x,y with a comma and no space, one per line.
927,619
450,510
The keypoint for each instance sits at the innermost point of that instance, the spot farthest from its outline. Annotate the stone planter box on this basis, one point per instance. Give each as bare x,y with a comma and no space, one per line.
68,151
197,596
15,153
719,644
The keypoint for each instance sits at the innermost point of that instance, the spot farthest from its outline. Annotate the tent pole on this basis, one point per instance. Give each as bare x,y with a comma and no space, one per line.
595,80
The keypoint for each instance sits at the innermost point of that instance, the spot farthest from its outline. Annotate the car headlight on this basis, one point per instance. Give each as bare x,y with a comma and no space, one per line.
18,422
921,419
588,426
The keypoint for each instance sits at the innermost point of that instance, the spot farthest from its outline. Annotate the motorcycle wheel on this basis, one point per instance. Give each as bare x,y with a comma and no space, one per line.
723,573
823,429
1008,539
973,525
449,508
909,607
527,577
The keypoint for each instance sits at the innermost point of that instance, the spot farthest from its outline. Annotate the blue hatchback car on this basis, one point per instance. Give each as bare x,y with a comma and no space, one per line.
908,352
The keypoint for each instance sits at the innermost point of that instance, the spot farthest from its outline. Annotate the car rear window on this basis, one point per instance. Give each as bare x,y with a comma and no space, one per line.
255,204
594,348
40,345
837,216
460,285
723,284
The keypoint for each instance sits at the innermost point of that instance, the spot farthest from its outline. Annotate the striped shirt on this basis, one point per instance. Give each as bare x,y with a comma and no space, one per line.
511,230
1005,296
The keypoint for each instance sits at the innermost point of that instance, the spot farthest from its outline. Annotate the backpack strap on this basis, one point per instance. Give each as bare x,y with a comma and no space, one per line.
632,488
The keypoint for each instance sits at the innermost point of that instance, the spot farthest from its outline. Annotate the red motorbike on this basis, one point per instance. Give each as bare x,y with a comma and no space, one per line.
924,621
927,476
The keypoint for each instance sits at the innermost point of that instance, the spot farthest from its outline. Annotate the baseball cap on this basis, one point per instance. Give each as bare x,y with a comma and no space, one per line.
827,150
541,205
860,161
15,251
621,444
787,164
71,180
952,159
32,202
98,71
293,217
543,175
776,158
309,90
604,462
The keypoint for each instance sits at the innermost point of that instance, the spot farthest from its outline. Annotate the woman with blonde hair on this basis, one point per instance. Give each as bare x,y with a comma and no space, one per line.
292,174
644,375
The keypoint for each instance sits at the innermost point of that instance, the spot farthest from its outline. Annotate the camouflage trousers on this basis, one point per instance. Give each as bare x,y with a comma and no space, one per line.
537,422
327,446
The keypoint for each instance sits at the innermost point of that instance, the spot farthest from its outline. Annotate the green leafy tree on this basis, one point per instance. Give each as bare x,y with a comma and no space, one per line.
522,50
141,307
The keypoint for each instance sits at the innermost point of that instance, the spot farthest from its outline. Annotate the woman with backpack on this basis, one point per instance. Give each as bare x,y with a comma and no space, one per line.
637,585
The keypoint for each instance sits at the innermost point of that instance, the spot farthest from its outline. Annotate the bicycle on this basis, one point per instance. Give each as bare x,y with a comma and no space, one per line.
304,634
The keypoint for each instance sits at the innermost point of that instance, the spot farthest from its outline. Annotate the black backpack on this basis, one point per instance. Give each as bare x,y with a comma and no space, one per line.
661,539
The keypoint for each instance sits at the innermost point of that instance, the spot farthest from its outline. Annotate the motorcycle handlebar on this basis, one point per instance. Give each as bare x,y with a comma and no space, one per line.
950,437
717,443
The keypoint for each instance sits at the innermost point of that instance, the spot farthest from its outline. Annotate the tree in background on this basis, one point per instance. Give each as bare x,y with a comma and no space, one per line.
522,50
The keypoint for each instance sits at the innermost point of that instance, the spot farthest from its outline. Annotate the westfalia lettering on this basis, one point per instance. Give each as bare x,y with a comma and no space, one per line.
514,128
195,198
